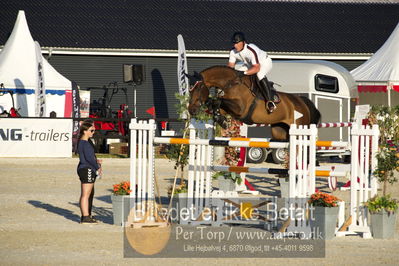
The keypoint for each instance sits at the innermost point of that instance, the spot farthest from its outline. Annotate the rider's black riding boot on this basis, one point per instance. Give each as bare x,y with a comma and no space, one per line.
268,94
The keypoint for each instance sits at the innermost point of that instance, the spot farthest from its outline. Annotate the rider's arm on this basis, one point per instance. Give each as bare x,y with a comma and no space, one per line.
253,70
230,64
232,60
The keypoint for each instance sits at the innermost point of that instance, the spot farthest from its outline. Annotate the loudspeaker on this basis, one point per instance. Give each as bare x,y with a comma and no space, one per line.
138,74
127,73
133,73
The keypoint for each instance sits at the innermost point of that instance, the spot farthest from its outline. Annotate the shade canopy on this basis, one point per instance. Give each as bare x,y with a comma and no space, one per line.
18,73
381,72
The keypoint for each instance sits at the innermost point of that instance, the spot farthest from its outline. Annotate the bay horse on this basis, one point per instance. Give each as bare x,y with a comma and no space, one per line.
236,96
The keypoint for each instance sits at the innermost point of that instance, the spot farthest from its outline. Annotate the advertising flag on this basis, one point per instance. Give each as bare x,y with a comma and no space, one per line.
40,92
75,106
182,66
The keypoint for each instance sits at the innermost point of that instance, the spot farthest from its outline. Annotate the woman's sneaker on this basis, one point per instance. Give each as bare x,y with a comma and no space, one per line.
87,220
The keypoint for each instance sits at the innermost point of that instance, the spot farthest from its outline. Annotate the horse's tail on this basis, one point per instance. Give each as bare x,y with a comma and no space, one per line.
315,115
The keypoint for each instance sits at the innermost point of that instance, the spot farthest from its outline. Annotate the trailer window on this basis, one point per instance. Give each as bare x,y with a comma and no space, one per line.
326,83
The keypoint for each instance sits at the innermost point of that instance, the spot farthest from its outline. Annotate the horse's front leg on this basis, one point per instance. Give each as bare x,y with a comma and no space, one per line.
219,114
221,119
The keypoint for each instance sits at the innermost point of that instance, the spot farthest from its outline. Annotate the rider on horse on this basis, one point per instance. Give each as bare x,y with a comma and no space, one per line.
257,62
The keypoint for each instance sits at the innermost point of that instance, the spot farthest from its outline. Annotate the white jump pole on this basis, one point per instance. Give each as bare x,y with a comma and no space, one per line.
191,172
151,169
142,168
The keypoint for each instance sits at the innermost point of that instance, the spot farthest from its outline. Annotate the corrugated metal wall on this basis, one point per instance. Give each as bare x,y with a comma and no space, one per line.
157,90
349,64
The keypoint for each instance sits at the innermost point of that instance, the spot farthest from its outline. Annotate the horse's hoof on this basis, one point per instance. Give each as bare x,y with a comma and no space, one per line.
222,122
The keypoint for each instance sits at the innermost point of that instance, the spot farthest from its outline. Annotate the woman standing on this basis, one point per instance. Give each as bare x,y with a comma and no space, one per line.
88,169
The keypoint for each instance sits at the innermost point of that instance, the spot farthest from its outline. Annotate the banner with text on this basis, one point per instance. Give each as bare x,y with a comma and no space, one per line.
35,137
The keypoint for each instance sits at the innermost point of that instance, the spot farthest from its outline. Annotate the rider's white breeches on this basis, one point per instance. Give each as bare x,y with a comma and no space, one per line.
265,67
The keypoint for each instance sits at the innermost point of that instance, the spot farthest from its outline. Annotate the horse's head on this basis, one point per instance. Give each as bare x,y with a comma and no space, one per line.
199,95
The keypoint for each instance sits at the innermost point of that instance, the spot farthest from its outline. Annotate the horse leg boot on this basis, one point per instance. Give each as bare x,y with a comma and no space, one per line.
217,116
267,94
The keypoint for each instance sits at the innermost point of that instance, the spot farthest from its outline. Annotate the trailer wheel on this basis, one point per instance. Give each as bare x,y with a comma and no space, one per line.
256,155
279,155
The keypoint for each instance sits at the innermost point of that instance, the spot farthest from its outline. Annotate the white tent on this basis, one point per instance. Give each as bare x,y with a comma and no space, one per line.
381,73
18,73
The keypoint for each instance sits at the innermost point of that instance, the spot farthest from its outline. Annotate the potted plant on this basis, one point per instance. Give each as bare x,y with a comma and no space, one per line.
227,180
120,202
324,214
383,208
383,216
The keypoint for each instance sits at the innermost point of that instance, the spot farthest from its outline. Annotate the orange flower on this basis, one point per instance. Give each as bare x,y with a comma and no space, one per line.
323,199
122,188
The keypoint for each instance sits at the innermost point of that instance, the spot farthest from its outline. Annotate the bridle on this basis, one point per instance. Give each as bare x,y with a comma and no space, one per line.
215,98
200,83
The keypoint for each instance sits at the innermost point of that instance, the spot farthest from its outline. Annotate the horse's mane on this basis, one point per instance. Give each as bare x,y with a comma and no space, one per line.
219,66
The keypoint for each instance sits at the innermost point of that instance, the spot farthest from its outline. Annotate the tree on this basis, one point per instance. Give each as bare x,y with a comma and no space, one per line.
387,118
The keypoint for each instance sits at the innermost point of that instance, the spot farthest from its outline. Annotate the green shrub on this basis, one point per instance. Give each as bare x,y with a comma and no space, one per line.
380,203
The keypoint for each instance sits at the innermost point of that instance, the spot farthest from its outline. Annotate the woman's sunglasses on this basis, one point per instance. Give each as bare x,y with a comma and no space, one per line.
92,130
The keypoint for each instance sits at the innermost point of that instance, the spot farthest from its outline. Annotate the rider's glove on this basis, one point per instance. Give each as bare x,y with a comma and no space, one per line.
240,74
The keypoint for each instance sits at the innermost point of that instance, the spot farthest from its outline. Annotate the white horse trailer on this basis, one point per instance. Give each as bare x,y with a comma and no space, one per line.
330,86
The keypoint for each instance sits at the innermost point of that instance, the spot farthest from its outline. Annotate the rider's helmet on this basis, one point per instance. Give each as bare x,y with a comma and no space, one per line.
238,37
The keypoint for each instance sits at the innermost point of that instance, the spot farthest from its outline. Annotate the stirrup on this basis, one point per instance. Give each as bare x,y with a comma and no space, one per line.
272,108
